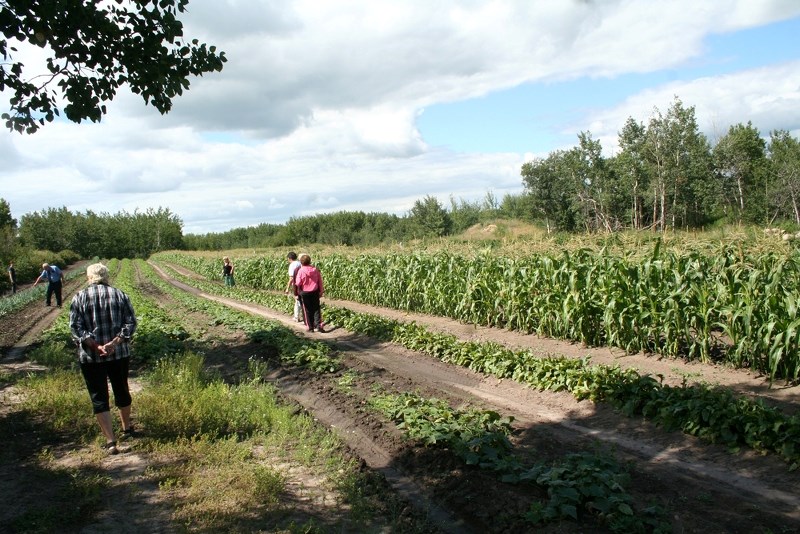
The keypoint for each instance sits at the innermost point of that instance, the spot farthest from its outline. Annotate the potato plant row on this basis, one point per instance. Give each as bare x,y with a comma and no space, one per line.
732,307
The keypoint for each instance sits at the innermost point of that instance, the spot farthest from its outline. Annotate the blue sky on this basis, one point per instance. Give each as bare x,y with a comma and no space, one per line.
370,105
534,115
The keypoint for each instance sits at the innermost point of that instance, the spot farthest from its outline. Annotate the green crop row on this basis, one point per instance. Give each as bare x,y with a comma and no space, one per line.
728,307
711,413
581,486
293,349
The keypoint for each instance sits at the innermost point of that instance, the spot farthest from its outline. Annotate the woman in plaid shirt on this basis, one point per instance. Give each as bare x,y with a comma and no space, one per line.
102,321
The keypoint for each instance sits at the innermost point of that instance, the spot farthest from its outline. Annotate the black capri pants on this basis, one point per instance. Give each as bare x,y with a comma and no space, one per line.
97,376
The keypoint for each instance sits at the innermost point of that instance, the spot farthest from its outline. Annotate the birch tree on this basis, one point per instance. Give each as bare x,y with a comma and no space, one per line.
740,160
784,190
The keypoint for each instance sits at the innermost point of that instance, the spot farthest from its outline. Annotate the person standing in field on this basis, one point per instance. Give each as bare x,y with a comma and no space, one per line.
227,272
294,265
12,275
308,281
102,321
53,275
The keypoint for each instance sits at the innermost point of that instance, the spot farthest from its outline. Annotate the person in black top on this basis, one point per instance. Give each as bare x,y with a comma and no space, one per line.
12,275
227,272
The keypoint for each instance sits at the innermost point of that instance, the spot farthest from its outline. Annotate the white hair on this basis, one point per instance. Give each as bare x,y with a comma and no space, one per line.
97,273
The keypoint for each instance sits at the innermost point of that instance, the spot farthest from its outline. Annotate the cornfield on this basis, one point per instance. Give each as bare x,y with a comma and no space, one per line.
729,306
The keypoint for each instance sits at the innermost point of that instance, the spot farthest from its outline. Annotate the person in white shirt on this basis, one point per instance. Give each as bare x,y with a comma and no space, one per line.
294,264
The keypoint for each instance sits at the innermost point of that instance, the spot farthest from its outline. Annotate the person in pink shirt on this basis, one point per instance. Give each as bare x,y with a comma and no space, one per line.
308,282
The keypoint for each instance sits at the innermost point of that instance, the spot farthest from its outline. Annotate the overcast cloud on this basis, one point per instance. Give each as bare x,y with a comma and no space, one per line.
317,108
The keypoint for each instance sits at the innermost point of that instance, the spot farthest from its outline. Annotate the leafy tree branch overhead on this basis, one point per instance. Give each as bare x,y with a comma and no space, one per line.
94,47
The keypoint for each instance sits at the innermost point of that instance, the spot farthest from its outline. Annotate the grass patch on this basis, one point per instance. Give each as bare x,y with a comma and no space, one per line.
54,356
61,403
215,443
215,483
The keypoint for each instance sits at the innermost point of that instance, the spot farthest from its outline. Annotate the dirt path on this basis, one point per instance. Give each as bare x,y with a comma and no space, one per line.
707,488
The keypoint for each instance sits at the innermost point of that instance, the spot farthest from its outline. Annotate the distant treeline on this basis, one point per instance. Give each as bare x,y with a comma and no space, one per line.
121,235
427,218
89,234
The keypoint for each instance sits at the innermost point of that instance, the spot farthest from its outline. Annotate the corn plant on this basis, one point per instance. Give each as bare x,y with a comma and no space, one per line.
725,306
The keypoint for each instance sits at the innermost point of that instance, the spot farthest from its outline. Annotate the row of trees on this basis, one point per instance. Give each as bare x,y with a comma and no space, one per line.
56,235
140,234
122,235
667,175
427,218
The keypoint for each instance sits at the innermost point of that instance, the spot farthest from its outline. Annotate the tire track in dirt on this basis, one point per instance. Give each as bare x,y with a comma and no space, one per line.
678,459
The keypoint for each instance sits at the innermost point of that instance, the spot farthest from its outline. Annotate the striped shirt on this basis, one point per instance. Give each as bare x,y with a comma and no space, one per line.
103,313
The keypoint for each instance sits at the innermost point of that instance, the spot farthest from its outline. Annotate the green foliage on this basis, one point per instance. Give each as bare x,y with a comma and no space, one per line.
784,186
340,228
92,50
54,356
8,232
478,437
62,395
713,414
550,188
159,332
582,486
429,219
740,160
122,235
182,401
21,299
719,304
590,484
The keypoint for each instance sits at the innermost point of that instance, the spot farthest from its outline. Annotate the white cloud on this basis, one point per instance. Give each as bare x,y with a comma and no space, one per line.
769,97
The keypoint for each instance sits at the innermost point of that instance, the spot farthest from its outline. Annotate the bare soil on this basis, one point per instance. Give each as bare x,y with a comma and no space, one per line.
705,488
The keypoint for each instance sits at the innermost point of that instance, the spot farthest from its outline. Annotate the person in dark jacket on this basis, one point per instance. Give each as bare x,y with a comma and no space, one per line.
12,275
